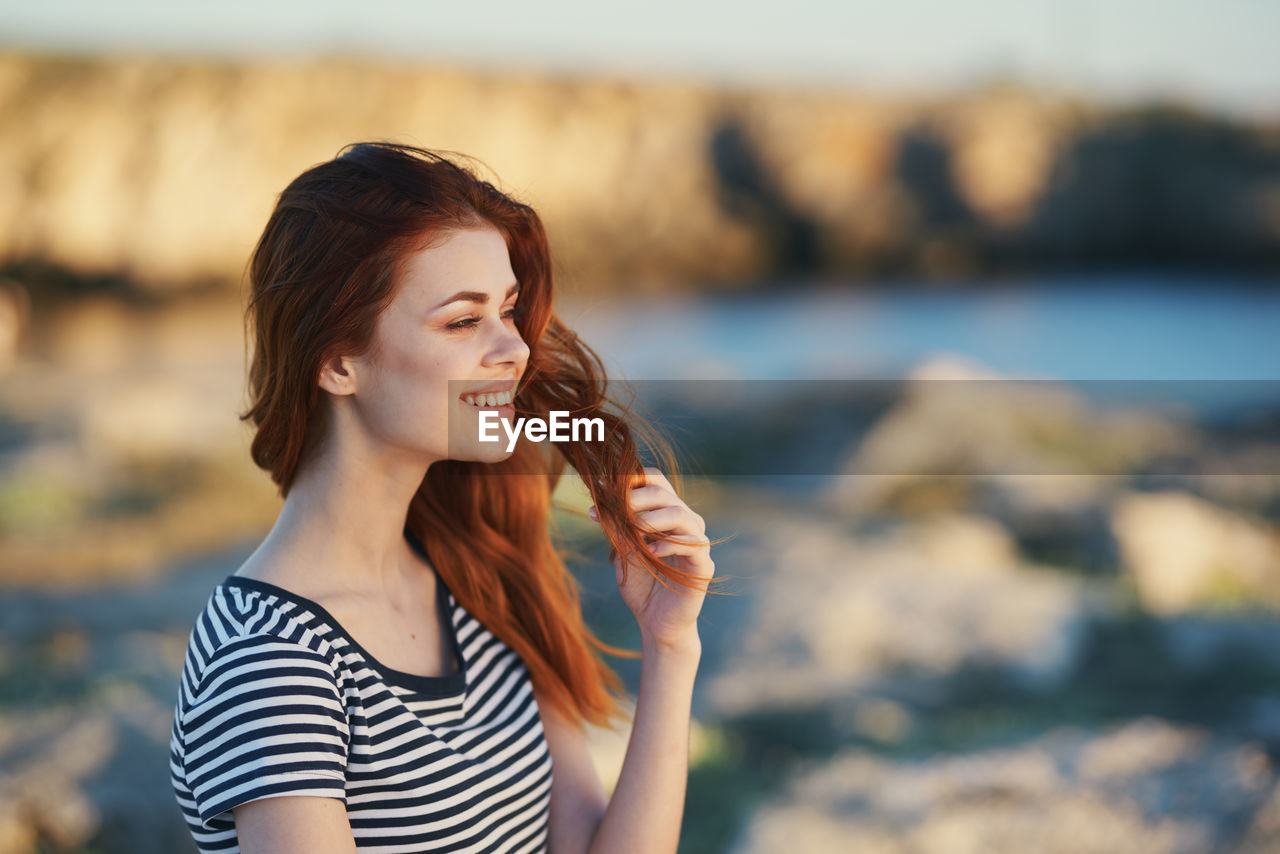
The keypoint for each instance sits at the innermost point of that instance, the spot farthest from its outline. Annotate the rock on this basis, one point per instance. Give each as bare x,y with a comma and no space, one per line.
1142,786
1004,151
47,786
1142,747
15,314
158,418
100,159
963,542
1045,416
1263,835
1182,552
1033,455
957,420
17,836
838,615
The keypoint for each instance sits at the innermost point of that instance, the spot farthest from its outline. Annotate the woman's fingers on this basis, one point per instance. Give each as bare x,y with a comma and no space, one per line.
655,476
657,508
651,498
678,519
679,546
662,518
647,498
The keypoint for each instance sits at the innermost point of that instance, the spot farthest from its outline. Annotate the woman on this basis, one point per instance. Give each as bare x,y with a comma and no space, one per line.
402,664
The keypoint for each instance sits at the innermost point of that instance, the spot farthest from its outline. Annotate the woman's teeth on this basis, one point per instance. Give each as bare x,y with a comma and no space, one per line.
501,398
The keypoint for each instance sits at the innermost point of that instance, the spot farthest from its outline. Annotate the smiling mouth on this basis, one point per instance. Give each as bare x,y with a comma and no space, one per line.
495,400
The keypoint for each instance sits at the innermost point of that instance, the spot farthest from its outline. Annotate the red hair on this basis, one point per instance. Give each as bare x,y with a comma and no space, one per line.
327,264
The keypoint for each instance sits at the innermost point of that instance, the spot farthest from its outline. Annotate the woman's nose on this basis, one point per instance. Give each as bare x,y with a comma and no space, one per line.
508,346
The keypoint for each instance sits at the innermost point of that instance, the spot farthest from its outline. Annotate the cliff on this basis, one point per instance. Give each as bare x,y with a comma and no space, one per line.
160,172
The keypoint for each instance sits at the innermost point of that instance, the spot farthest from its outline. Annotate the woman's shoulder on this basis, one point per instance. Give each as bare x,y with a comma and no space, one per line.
249,621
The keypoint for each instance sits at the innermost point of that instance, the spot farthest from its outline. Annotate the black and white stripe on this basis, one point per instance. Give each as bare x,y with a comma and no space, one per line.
277,699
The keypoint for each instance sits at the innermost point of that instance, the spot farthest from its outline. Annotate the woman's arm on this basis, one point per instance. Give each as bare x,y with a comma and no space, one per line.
647,806
645,812
577,798
294,825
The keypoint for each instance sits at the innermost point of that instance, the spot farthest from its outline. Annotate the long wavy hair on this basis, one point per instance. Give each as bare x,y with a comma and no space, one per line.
327,264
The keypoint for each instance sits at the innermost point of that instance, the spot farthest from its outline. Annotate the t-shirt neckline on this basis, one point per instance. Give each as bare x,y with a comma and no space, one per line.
436,686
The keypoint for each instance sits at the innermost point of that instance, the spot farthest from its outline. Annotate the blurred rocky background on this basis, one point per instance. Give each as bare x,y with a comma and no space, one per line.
159,170
1009,602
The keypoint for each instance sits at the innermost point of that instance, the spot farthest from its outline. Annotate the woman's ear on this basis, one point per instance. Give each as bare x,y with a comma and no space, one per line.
337,375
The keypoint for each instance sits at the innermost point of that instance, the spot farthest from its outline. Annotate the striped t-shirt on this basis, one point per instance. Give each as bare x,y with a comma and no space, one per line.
277,699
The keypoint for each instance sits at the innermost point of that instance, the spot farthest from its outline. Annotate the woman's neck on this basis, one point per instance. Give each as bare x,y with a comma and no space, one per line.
341,529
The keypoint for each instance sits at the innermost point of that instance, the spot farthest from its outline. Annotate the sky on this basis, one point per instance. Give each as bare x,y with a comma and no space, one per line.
1218,54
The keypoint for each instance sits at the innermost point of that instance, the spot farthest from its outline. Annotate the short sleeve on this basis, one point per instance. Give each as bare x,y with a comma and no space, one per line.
267,719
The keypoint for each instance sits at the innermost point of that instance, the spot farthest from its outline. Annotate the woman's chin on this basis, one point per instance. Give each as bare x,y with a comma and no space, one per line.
482,454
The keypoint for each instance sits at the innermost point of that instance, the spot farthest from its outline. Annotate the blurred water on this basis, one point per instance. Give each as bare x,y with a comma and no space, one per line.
1219,334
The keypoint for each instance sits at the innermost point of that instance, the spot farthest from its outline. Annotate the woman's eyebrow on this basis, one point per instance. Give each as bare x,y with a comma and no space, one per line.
476,296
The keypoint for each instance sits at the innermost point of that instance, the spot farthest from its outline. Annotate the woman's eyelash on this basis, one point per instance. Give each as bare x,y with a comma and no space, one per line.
467,323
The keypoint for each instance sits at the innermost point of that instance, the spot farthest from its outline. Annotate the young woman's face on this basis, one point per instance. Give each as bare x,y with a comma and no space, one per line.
449,332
